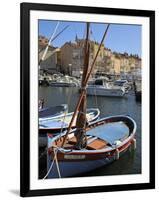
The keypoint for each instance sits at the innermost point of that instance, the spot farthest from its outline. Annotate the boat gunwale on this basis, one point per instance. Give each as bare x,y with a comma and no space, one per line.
104,150
61,113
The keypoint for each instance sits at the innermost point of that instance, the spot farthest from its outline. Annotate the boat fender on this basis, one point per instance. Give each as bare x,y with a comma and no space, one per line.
117,142
117,154
133,144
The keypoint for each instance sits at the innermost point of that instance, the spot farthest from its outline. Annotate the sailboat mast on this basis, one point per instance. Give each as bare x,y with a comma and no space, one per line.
82,91
81,122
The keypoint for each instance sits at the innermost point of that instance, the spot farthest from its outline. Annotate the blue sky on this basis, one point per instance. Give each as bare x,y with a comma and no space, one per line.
120,38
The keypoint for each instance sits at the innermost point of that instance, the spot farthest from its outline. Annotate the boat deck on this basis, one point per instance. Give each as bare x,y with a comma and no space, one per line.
110,132
100,137
93,143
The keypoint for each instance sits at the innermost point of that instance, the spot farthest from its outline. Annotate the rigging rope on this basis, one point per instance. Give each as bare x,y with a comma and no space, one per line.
55,152
57,164
51,166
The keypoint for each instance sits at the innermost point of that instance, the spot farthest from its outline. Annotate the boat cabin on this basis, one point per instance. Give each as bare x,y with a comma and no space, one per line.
101,82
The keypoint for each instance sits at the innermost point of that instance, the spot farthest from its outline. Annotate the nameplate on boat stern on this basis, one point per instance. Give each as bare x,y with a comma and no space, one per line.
72,157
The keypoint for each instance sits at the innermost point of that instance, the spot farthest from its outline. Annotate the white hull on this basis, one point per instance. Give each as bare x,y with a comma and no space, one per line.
63,120
58,84
102,91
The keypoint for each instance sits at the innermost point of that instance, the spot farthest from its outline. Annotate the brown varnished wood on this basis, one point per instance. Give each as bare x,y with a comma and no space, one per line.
97,144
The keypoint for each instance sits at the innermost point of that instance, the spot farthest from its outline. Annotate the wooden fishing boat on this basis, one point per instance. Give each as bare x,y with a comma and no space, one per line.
107,140
89,146
56,123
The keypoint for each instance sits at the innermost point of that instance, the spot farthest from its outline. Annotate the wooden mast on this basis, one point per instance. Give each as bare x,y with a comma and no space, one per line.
81,117
83,91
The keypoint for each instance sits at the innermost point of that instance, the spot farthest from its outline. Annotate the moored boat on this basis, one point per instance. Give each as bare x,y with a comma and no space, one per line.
123,83
102,87
51,112
102,91
56,123
65,81
107,140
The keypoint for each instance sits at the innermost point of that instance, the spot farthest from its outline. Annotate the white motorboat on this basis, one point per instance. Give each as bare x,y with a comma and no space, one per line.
102,87
65,81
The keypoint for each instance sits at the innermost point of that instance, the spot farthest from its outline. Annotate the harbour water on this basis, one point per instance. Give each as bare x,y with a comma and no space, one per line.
130,163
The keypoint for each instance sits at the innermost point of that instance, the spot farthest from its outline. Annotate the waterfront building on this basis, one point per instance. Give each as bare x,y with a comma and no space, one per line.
124,63
69,59
114,64
134,62
72,57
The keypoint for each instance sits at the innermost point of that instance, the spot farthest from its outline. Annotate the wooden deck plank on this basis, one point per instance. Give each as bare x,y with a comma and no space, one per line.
97,144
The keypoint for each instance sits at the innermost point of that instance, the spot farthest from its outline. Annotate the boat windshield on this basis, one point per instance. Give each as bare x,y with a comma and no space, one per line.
99,82
120,83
